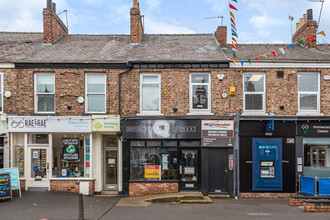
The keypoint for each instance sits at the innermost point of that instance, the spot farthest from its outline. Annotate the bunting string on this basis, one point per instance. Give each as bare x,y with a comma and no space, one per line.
234,34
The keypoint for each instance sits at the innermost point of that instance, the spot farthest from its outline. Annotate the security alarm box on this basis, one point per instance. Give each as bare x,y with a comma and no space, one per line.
232,90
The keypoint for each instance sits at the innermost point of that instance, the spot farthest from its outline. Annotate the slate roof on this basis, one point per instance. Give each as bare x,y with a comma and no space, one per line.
28,47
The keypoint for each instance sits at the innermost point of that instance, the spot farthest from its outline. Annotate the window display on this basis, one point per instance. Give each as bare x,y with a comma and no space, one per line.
71,155
156,162
18,160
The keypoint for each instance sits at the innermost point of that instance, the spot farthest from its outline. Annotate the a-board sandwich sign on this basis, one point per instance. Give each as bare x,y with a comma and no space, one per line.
5,186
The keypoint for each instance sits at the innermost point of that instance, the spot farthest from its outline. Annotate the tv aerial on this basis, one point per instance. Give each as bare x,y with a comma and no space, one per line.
220,17
322,1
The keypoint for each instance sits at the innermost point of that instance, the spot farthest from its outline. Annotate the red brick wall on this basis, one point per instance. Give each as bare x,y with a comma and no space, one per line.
308,29
221,36
71,186
136,25
266,195
316,207
22,183
53,26
139,189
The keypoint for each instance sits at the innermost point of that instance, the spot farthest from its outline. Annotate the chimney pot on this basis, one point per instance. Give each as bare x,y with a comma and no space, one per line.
309,14
135,4
54,7
49,4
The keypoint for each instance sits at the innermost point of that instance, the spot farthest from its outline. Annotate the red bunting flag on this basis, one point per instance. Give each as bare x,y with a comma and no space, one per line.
232,21
311,37
257,59
234,39
232,7
273,52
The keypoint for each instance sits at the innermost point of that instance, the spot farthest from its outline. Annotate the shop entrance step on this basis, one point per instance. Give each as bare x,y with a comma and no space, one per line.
219,196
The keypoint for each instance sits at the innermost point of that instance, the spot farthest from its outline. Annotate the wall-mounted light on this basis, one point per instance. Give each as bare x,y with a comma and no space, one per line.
7,94
80,100
165,91
175,110
220,77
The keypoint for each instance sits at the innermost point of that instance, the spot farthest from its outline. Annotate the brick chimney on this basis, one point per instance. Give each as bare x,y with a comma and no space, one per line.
221,36
54,28
304,28
136,23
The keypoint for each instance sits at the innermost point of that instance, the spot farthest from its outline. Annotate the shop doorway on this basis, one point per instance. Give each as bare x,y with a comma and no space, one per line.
218,170
1,157
189,170
110,164
38,164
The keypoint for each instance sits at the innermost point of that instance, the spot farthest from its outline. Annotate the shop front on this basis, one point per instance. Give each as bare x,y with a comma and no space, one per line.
108,168
4,146
52,153
161,156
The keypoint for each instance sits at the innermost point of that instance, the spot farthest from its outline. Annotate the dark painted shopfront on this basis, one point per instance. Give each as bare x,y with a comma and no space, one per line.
173,153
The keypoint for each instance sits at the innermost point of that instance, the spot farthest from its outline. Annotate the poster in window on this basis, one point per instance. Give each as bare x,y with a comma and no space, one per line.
70,149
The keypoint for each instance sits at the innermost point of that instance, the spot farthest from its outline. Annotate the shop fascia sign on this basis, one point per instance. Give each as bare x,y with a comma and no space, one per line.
49,124
101,123
217,133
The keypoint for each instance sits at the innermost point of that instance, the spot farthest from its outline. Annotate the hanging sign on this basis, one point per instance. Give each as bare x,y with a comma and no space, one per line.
217,133
70,149
5,186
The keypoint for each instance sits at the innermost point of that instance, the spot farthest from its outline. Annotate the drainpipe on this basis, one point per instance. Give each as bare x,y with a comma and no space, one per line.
119,87
236,155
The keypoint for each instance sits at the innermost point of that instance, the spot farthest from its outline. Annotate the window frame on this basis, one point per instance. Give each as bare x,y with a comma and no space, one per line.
1,92
263,110
159,82
97,93
317,111
36,93
191,84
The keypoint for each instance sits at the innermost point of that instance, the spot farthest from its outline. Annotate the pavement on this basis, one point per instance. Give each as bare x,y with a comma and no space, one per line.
57,206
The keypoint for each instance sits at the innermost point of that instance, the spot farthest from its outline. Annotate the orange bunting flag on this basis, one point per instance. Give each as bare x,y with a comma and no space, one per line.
231,14
232,7
234,39
234,46
232,21
264,55
234,61
311,37
273,52
257,59
322,32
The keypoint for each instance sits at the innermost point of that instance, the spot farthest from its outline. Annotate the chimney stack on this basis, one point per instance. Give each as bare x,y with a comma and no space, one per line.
221,36
305,28
136,23
54,28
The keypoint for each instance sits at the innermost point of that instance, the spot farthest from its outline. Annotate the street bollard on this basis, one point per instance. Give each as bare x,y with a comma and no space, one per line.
81,207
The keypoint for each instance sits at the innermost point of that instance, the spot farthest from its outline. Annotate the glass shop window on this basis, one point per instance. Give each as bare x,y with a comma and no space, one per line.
71,156
200,95
18,153
38,139
158,161
317,160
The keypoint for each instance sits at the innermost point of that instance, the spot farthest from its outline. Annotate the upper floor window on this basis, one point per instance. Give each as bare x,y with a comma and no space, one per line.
309,92
45,92
150,93
1,92
95,92
254,92
200,95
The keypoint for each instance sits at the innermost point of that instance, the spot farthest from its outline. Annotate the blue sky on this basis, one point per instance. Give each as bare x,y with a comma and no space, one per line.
257,21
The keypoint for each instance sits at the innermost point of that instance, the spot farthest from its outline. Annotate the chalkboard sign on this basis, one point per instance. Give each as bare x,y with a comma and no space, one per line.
5,187
14,177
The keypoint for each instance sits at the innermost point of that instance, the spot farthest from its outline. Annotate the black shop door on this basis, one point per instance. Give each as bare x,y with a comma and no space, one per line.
218,170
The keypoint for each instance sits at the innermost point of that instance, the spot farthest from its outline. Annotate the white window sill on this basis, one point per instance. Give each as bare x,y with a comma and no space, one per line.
310,114
200,113
149,114
255,113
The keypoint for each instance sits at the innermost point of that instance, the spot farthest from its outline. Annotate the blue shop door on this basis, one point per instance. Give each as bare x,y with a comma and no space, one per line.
267,164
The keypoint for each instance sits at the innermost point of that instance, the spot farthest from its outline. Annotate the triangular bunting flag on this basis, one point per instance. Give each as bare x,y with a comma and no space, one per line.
311,37
231,14
232,21
264,55
257,59
232,30
301,42
232,7
281,49
249,60
234,46
273,52
322,32
233,27
234,40
291,45
242,63
234,61
234,34
235,1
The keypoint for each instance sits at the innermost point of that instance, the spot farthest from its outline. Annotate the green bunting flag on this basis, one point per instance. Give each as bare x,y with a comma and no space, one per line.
235,1
249,60
234,34
301,42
